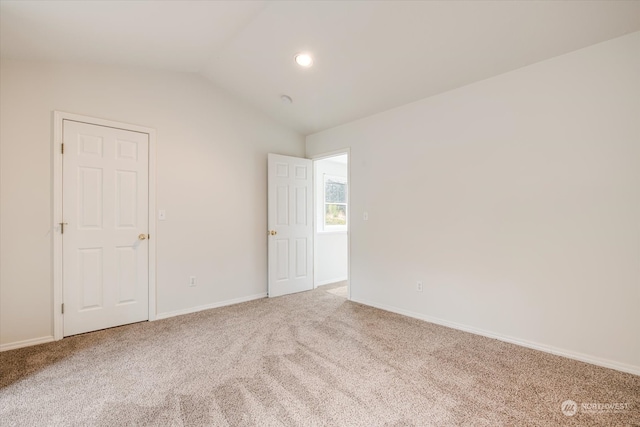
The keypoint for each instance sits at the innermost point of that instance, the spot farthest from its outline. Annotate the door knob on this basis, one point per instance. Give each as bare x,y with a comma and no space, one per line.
142,236
273,232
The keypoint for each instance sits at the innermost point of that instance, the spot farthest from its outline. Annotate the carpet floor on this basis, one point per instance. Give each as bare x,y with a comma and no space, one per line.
309,359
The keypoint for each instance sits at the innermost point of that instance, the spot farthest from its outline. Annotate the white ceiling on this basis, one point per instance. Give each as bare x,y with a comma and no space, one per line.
368,56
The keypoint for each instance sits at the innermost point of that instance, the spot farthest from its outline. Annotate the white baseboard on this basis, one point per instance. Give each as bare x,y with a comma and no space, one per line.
209,306
326,282
25,343
631,369
42,340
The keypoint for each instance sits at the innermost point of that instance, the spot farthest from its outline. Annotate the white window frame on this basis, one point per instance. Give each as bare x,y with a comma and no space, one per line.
342,180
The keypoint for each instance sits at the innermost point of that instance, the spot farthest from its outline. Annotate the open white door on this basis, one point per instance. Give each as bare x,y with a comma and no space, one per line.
106,221
290,223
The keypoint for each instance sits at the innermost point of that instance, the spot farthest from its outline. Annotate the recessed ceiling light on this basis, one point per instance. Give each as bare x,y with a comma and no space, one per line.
286,99
304,60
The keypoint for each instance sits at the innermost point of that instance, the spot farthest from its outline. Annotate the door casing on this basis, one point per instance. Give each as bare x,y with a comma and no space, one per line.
57,218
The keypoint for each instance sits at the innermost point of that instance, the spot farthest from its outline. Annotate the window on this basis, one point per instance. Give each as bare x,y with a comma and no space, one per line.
335,203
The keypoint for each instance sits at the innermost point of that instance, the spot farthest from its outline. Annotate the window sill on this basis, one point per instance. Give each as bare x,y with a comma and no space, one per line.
332,232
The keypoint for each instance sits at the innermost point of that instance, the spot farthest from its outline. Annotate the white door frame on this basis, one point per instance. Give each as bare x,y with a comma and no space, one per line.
315,158
56,141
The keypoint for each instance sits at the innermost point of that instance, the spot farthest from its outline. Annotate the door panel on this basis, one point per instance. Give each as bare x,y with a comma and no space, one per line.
126,266
289,217
105,207
301,257
90,266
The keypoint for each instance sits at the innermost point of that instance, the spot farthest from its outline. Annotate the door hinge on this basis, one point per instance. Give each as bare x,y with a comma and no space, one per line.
62,308
62,148
62,224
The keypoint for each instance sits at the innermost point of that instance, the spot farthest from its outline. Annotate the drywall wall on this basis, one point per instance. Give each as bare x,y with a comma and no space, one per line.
515,199
331,263
211,180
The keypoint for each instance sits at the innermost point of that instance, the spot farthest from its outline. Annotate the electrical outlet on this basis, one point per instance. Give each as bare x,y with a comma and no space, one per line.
192,281
419,286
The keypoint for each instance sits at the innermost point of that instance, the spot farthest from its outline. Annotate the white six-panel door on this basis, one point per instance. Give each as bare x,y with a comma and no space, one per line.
106,210
290,224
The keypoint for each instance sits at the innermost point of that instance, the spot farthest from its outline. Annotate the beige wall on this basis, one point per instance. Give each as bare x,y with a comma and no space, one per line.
515,199
211,180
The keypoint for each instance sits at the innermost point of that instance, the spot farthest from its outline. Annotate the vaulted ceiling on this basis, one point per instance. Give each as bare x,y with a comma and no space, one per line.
369,56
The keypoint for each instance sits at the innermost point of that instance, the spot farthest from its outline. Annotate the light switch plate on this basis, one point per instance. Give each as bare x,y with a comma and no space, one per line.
162,215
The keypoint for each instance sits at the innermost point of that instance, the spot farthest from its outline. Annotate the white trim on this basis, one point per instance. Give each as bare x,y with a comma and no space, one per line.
606,363
58,117
334,153
314,220
56,170
153,236
315,158
210,306
26,343
327,282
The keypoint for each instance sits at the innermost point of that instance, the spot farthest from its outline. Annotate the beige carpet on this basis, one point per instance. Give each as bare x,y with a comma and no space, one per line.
339,288
309,359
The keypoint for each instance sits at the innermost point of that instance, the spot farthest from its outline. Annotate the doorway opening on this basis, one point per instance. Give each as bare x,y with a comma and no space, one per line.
331,223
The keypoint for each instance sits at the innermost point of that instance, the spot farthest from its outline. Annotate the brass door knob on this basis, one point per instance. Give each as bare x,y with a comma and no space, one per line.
142,236
273,232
